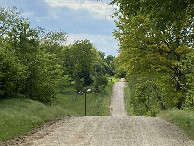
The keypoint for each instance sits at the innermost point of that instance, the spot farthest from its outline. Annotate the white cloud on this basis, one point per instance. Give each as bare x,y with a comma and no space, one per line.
103,43
27,14
98,10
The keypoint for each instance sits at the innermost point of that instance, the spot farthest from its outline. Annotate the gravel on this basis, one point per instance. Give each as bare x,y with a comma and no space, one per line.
115,130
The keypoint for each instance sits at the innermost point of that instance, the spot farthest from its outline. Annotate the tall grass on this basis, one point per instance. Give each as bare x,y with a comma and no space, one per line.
182,119
97,104
20,115
128,106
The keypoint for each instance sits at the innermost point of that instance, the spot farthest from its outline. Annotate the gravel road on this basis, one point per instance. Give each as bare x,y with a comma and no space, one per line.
116,130
117,103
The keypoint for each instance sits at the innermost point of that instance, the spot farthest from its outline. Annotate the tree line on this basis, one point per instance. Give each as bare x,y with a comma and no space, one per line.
35,63
157,53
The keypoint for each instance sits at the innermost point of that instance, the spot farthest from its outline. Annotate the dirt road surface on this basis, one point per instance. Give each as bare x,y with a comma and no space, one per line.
116,130
117,103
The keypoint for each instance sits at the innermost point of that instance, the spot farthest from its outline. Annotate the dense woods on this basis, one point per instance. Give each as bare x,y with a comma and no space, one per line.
35,63
156,51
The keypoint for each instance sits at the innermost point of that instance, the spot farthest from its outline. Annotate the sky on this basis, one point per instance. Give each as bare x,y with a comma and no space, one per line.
80,19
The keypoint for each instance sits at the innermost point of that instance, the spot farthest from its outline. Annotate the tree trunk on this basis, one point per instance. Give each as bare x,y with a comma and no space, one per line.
75,97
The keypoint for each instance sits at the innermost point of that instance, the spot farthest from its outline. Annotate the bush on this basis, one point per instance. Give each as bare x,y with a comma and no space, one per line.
100,80
12,73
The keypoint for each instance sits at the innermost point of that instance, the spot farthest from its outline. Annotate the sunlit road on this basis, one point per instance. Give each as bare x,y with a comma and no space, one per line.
115,130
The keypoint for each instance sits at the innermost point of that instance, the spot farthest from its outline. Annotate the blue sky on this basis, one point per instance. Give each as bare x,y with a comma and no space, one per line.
80,19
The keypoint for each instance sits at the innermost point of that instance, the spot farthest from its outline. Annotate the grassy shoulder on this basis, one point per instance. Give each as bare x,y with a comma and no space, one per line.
20,115
97,104
182,119
128,106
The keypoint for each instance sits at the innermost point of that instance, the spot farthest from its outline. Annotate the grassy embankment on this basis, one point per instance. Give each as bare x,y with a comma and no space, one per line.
128,106
182,119
97,103
18,116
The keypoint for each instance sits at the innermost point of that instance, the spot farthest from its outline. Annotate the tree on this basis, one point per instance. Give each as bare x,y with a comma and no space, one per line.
155,40
99,71
188,68
36,62
84,65
12,72
110,64
79,61
30,64
100,80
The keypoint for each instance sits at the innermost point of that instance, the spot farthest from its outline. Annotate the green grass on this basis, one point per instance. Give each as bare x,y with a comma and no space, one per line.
128,106
20,115
97,103
182,119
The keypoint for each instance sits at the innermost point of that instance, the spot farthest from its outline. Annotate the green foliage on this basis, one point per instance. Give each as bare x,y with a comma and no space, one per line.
36,62
100,80
30,58
110,65
188,68
84,63
155,43
79,60
11,73
144,100
79,84
20,115
116,68
120,72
